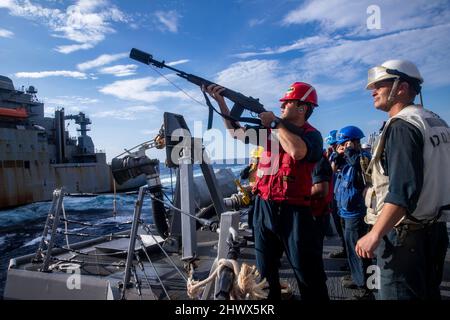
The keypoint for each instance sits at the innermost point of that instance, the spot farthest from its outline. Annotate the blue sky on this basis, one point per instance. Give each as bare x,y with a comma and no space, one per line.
76,54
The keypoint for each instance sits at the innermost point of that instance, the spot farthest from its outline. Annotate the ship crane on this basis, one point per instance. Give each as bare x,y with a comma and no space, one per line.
81,120
85,143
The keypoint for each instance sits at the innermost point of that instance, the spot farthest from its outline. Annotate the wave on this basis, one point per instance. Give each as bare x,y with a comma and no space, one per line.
91,208
34,241
23,215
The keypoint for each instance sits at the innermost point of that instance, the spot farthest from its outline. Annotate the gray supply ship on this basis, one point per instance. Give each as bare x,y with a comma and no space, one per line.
37,155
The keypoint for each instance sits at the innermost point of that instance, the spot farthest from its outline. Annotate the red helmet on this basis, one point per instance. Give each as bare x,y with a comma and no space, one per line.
301,91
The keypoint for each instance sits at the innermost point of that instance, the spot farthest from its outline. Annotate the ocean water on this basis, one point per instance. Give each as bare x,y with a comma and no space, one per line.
21,228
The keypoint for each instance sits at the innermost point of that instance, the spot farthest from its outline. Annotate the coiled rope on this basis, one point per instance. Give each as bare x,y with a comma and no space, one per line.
245,284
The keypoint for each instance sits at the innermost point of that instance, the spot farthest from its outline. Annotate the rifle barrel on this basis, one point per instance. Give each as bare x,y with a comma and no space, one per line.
147,58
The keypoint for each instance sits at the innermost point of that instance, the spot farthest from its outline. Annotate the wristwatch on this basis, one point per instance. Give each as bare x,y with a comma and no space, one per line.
275,122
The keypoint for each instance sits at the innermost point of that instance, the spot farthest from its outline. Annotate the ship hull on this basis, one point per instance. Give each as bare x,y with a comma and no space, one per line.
27,174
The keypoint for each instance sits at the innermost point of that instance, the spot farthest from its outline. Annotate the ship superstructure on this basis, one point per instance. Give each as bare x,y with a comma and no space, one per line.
37,154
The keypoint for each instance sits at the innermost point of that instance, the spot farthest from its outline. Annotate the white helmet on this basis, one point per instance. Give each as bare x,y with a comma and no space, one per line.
395,69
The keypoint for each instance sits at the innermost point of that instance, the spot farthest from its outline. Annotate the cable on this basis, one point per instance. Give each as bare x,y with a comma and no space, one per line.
193,99
171,185
179,88
141,144
86,224
65,225
153,266
167,197
202,221
164,251
92,255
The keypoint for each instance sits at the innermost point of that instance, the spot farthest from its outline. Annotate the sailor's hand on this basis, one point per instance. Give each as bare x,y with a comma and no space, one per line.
214,91
266,118
365,247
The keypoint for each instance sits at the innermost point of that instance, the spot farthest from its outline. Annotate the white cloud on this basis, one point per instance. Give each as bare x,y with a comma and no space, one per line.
120,70
24,8
263,79
169,20
71,101
6,33
152,132
256,22
139,90
174,63
306,44
74,47
351,16
268,80
86,22
348,60
101,61
70,107
49,111
45,74
337,64
130,113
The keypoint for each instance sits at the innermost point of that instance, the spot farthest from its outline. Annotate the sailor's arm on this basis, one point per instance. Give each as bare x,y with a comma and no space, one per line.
405,172
321,176
389,217
320,190
291,143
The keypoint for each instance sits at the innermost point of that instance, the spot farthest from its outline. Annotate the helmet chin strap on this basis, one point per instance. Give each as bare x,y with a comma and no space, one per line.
393,91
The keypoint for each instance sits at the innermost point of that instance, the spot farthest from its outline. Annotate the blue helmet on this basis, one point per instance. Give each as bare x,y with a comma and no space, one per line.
331,138
349,133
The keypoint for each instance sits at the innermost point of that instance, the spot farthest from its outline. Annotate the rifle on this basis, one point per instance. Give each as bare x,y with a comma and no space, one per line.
241,102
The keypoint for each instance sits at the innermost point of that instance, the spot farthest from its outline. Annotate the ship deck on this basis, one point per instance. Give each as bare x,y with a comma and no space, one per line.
110,262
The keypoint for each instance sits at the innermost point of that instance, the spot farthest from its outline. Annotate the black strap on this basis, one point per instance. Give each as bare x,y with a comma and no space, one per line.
211,111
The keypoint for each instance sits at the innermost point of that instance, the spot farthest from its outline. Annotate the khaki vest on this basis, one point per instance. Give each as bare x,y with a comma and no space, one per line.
436,155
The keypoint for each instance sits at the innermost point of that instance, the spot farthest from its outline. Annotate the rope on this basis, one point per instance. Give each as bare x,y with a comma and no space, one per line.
245,285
